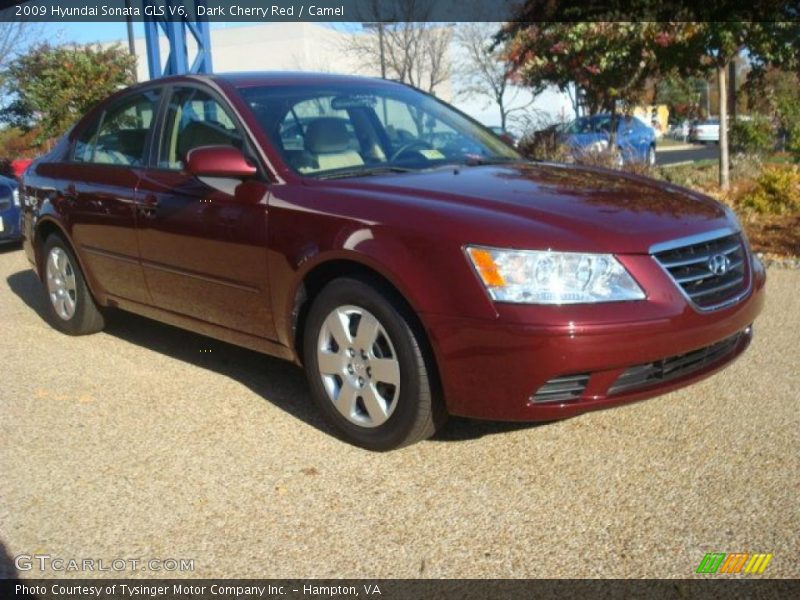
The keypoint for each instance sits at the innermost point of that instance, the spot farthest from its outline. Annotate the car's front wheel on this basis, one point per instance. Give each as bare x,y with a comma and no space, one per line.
70,306
651,156
368,367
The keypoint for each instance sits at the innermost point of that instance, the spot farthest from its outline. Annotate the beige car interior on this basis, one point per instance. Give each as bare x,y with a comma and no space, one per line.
327,145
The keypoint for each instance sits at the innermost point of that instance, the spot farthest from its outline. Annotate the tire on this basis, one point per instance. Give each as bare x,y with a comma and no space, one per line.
368,367
651,156
70,306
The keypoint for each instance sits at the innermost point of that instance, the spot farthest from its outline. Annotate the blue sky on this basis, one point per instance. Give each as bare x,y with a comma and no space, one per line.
84,33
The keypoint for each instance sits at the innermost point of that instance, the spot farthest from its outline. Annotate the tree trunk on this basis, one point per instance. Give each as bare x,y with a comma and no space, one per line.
732,90
612,131
724,165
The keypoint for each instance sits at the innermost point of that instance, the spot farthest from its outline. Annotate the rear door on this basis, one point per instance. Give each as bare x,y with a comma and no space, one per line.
99,185
203,241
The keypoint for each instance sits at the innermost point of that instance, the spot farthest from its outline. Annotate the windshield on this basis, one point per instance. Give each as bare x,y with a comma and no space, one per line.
344,130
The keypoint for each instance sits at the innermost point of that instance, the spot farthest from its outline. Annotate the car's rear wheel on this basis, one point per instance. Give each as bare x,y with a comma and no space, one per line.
651,156
70,307
368,368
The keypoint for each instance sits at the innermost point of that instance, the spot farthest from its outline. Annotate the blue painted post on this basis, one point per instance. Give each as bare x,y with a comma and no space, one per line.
153,50
176,34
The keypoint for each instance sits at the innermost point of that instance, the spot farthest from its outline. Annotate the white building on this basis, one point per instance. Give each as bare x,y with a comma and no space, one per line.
304,46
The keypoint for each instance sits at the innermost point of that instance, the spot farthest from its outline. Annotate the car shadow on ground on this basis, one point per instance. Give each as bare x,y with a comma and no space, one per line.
7,568
9,247
277,381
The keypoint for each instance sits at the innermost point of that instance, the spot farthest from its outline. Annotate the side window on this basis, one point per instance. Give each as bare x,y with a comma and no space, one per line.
122,135
195,119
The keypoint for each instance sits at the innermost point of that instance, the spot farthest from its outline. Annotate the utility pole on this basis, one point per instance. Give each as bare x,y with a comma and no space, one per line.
380,27
383,55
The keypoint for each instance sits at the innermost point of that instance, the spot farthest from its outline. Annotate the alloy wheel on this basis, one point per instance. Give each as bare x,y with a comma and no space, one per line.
61,286
359,366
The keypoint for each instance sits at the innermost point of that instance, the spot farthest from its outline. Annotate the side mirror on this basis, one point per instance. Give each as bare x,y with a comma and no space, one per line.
219,161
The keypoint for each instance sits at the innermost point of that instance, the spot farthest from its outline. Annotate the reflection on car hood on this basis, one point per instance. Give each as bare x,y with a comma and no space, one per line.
619,211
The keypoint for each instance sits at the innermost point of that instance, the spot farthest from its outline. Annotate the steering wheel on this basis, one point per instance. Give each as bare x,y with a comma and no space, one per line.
409,146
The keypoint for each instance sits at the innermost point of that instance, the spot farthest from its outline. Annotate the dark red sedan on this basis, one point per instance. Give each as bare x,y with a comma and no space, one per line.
413,262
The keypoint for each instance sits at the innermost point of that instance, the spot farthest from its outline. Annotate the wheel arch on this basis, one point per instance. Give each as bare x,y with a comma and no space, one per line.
317,277
43,230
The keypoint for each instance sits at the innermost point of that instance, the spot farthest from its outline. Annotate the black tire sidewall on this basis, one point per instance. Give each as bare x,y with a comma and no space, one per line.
396,430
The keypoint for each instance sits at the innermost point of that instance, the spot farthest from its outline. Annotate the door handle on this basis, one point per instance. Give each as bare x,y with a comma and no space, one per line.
148,206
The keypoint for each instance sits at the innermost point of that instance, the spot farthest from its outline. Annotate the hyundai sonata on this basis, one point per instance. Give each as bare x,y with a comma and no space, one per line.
413,262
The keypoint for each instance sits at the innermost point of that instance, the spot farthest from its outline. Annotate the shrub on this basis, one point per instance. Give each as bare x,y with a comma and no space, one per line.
776,191
754,136
544,145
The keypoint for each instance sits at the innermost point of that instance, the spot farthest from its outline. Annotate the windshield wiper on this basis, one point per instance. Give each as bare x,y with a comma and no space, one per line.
382,170
474,161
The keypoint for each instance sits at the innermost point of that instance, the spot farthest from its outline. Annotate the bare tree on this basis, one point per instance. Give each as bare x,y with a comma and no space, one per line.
14,37
483,72
401,45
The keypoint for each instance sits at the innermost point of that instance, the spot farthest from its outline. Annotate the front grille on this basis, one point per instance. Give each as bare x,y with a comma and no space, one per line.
562,389
691,268
660,371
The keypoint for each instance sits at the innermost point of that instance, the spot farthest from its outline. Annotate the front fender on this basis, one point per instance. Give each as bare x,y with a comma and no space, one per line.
433,277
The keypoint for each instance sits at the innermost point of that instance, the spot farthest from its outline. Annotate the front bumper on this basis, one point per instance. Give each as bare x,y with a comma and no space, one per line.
492,369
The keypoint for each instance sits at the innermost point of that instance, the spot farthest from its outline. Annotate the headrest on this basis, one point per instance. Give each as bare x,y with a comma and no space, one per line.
327,135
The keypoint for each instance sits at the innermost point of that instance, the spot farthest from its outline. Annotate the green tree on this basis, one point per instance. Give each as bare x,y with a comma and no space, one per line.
773,92
711,46
53,86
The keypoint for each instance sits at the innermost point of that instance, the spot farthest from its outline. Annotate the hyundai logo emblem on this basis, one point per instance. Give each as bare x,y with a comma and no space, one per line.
719,264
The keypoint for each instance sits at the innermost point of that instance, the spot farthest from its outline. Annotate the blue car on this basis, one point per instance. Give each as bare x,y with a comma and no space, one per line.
10,230
636,140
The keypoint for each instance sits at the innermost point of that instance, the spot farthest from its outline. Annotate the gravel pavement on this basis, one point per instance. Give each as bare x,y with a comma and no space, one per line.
145,441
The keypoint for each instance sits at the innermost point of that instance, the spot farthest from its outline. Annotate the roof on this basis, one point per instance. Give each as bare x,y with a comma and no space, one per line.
262,77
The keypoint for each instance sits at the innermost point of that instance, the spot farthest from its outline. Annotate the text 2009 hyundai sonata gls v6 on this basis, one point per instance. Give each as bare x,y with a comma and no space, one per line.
415,264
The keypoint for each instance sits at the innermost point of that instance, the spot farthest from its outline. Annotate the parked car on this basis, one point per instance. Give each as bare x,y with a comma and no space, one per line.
705,131
635,139
411,282
9,211
19,165
679,130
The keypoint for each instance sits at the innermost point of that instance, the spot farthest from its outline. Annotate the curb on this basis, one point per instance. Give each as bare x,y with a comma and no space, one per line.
680,147
779,262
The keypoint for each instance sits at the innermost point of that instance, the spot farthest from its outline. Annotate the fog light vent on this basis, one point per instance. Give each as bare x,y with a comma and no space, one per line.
562,389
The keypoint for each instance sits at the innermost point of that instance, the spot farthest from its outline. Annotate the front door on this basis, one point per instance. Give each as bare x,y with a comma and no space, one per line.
202,244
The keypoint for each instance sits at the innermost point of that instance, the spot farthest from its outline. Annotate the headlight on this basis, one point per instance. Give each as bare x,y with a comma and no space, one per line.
543,277
15,196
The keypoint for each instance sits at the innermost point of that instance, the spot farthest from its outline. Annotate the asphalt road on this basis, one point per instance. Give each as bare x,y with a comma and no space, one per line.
148,442
698,152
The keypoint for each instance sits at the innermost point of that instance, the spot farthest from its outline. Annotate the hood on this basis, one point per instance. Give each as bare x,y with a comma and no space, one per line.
577,208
